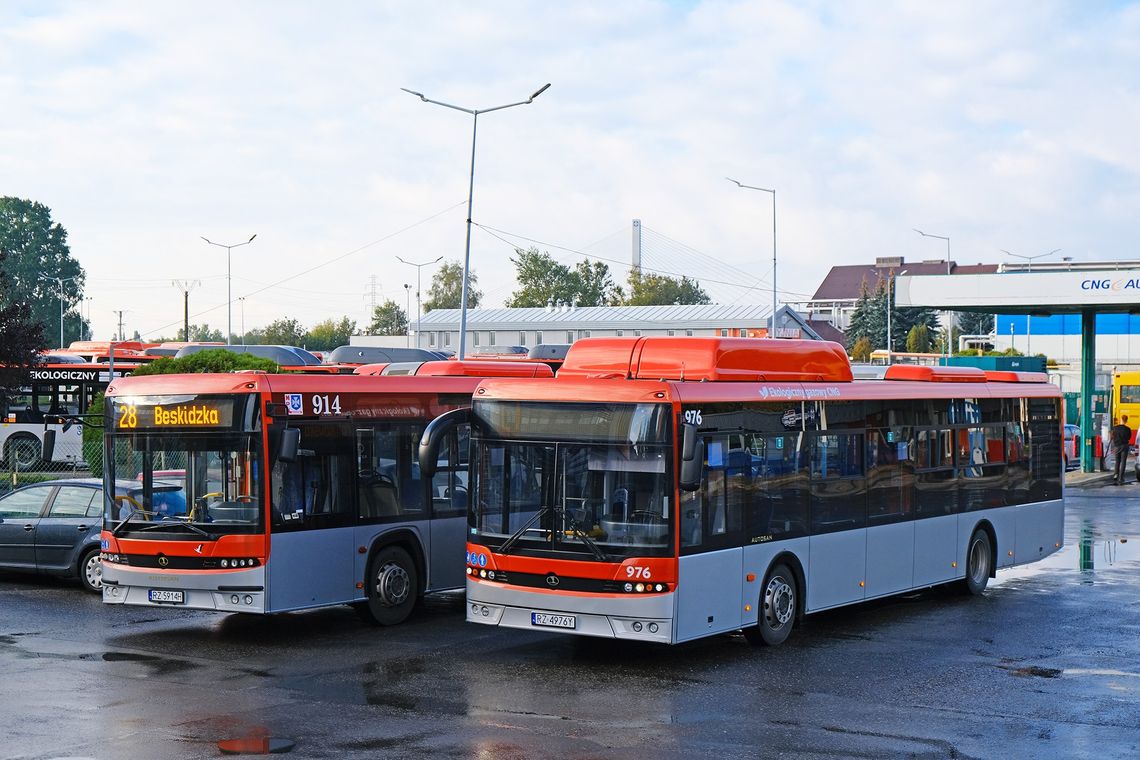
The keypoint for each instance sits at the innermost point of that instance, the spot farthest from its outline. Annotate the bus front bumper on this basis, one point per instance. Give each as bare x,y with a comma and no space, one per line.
234,591
613,616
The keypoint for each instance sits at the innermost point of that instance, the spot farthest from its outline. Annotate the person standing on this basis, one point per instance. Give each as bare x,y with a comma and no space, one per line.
1121,438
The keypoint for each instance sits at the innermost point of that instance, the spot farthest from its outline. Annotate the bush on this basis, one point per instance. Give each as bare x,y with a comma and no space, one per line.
214,360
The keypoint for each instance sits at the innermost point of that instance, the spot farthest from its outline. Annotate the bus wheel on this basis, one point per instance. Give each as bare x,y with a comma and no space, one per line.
777,609
22,452
392,586
91,571
979,559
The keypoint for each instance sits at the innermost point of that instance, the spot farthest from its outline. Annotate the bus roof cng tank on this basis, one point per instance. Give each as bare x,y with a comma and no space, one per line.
708,359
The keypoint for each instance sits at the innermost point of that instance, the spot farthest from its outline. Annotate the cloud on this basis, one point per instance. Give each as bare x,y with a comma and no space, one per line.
146,126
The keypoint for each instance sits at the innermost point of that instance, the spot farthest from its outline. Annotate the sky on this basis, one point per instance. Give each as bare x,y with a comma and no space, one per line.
147,126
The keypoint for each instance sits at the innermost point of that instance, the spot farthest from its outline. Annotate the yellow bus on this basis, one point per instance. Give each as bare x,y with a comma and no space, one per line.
1126,399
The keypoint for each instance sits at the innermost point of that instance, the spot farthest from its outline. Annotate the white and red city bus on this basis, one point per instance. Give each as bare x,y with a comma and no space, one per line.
665,489
267,493
56,400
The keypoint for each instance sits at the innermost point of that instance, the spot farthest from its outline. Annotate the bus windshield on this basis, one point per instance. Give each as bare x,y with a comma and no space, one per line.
603,500
184,483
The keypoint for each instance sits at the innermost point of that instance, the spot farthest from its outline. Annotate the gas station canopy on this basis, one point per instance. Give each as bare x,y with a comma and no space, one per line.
1037,293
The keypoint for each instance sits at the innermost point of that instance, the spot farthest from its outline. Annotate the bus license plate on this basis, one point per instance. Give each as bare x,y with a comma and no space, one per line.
553,621
163,596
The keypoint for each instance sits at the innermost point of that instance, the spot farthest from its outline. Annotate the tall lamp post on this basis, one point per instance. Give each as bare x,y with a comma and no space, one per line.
229,299
890,308
241,299
61,280
418,268
1029,317
407,309
470,196
950,319
772,334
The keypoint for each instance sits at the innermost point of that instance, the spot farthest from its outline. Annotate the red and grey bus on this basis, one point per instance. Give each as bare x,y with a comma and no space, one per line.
265,493
664,489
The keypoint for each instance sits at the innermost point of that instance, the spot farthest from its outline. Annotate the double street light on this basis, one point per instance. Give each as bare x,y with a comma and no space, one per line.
890,308
229,299
950,319
772,332
1028,317
470,194
418,268
62,280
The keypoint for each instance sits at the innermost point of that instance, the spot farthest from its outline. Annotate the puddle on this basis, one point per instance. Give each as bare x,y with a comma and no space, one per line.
160,665
256,745
1033,670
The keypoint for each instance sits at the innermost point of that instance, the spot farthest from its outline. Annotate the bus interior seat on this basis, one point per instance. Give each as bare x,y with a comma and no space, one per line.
378,500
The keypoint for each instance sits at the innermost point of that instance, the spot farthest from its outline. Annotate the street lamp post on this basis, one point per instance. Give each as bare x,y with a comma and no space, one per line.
86,333
950,318
890,308
418,267
470,196
242,300
1029,317
772,333
407,309
61,280
229,299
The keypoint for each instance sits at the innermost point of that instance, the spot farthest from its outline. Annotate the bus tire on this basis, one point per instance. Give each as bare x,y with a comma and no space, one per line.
22,452
778,603
392,585
979,563
90,571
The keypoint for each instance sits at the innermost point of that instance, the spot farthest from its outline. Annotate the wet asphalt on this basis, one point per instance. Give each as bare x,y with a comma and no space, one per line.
1045,665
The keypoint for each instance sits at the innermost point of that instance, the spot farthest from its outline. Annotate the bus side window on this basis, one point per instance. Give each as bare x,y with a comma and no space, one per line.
449,483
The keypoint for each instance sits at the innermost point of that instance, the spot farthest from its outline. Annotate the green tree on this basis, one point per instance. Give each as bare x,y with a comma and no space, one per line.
284,332
868,320
446,289
329,334
37,254
861,349
543,280
596,287
650,289
918,339
388,319
971,323
22,338
201,334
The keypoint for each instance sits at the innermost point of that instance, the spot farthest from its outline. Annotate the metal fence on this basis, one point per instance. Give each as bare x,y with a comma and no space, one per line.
24,463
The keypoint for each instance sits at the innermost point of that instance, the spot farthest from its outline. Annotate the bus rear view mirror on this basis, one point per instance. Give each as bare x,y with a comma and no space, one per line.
48,451
692,458
434,436
290,444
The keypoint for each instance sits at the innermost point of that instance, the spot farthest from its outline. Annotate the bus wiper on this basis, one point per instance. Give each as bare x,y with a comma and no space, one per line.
167,521
581,534
504,549
117,530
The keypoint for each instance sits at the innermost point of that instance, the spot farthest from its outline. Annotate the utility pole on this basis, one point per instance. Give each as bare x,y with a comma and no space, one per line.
185,286
372,284
120,312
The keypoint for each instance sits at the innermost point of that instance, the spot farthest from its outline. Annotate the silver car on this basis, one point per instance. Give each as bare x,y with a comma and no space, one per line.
53,527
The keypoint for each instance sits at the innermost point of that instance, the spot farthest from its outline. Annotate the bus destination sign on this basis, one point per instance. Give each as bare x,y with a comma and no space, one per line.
198,413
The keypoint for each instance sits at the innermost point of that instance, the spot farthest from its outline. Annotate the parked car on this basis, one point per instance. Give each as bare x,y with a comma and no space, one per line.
53,527
1072,446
